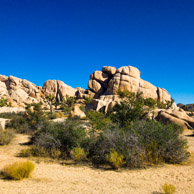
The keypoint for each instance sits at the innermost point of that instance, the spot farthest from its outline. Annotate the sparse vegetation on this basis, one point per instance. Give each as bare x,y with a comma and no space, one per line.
3,102
115,159
168,188
6,136
18,170
51,101
78,154
125,137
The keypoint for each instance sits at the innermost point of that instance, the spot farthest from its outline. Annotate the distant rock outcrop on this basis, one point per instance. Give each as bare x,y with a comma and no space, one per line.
109,80
58,89
103,86
19,92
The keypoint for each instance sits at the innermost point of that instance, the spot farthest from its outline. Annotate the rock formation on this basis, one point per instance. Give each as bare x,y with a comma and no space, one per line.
103,86
21,92
109,80
58,89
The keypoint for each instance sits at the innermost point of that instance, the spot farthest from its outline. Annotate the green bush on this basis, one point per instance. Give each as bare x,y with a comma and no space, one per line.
98,120
130,108
30,121
115,159
10,115
55,115
37,151
3,102
78,154
61,136
141,144
6,136
162,142
168,188
18,170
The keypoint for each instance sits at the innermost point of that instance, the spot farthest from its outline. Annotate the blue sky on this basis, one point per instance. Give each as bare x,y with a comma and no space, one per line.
69,39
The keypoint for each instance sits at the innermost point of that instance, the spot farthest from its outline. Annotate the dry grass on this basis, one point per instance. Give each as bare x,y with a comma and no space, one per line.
18,170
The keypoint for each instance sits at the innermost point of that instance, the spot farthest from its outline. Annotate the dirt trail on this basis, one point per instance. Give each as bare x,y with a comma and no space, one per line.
9,152
55,178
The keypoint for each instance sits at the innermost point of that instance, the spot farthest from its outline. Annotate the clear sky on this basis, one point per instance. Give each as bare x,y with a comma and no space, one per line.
69,39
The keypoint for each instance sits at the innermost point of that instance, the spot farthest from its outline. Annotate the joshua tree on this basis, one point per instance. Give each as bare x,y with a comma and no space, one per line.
51,101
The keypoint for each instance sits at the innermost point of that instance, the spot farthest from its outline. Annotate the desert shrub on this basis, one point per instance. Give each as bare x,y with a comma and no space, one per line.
6,136
165,105
37,151
168,188
67,104
87,100
30,121
141,143
10,115
129,109
115,159
55,115
19,122
66,109
161,142
121,141
18,170
78,154
98,120
3,102
61,136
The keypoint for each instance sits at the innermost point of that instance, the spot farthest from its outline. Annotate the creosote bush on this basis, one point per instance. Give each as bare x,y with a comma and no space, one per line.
124,137
61,136
18,170
115,159
3,102
6,136
78,154
168,188
30,121
37,151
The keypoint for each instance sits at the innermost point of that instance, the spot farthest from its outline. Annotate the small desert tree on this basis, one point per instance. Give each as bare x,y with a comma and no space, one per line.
67,103
129,109
51,101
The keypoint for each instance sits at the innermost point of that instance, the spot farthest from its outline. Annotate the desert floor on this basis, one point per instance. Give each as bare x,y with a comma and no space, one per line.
49,177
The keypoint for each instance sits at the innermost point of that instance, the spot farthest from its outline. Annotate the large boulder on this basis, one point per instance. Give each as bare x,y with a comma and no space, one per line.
109,81
19,92
58,89
173,115
77,112
3,123
109,70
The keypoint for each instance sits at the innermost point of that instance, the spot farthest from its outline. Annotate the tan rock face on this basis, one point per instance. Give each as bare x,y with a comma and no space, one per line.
77,112
109,81
18,92
58,88
175,116
109,70
130,71
95,86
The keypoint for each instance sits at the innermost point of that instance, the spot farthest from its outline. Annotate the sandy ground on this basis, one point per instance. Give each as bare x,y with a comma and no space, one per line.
52,178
